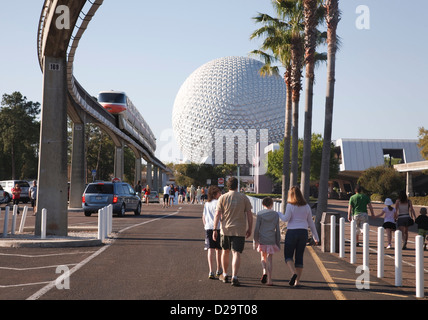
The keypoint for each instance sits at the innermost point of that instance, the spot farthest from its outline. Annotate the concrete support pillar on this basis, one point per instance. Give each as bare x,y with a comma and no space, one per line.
78,170
137,171
149,175
119,161
156,178
52,171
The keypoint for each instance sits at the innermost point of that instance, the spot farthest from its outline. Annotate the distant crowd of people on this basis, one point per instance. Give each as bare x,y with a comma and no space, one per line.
182,194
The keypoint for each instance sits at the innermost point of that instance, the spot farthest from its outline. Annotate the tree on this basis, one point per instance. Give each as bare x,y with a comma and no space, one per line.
382,180
100,155
275,160
19,140
313,16
198,174
423,142
277,41
332,17
291,11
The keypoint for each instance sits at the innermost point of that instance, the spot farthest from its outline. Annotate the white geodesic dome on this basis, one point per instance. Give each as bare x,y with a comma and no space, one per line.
223,98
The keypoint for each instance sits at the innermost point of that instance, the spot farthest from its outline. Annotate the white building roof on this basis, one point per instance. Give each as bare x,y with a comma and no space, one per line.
361,154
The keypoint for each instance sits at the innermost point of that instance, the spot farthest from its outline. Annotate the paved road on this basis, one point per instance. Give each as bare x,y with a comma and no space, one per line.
160,256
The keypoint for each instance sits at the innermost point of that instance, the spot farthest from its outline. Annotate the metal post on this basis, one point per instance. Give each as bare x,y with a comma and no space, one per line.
353,242
342,237
380,252
419,267
6,221
398,262
332,234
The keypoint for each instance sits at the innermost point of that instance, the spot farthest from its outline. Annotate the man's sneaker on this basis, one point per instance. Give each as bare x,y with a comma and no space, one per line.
235,282
211,276
224,278
218,273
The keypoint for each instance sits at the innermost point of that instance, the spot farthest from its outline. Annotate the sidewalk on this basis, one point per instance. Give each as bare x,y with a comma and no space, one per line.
347,276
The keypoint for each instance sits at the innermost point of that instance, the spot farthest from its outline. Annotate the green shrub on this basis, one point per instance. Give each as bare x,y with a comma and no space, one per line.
420,201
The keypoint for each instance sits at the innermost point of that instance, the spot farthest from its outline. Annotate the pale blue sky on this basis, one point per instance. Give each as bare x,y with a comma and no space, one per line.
149,48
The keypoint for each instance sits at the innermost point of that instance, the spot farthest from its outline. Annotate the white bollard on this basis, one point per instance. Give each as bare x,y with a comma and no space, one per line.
6,221
110,219
380,252
353,242
101,224
342,237
44,218
332,234
106,222
398,262
24,217
420,267
14,216
366,246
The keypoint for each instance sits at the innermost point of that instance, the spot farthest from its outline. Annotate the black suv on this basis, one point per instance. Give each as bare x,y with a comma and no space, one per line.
121,195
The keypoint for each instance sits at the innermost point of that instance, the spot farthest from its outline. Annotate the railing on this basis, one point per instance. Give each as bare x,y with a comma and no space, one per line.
256,203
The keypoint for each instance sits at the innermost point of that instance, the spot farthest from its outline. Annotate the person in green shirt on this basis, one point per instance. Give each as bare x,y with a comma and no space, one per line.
357,210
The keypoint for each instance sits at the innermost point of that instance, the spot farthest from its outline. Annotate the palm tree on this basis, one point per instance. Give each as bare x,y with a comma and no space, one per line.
291,11
314,15
332,17
277,41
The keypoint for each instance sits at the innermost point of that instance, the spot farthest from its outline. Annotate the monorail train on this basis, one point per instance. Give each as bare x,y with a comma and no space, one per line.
129,118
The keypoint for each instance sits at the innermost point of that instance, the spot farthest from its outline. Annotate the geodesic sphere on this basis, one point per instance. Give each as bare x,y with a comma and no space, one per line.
228,96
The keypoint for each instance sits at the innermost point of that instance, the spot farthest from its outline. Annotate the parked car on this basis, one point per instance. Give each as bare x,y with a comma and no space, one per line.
153,197
7,186
4,196
121,195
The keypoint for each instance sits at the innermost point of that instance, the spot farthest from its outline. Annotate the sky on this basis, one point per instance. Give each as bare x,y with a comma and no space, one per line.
149,48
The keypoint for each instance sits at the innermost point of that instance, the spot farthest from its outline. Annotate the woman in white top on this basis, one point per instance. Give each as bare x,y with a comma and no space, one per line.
213,247
389,220
298,214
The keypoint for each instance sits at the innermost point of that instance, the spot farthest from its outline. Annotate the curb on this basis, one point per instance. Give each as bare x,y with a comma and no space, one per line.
31,241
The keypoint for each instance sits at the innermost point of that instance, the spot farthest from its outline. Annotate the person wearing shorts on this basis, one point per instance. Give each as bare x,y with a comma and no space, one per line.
357,210
212,246
166,196
234,209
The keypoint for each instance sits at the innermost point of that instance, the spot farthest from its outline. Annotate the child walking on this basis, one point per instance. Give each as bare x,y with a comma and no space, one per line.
267,238
422,222
389,220
213,247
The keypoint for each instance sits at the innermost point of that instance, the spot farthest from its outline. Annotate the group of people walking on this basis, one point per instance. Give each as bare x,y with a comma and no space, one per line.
227,238
228,222
400,215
